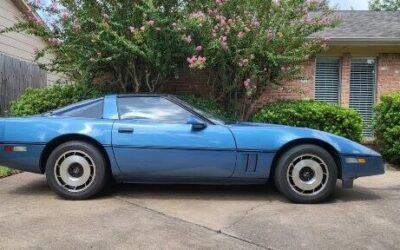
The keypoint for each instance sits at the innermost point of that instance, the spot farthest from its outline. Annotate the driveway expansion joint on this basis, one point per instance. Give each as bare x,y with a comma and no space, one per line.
196,224
245,214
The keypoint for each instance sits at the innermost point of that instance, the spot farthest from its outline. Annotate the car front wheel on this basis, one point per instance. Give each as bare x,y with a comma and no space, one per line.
76,170
306,174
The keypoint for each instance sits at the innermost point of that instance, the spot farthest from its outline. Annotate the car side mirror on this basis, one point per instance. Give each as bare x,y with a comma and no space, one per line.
196,123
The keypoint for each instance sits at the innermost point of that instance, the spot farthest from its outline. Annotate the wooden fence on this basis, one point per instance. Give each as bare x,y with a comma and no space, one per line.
15,77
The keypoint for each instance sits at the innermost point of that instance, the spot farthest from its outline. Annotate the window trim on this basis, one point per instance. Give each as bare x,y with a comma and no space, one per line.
78,105
171,99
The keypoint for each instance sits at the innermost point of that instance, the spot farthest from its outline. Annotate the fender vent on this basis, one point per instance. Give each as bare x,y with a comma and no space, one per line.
250,162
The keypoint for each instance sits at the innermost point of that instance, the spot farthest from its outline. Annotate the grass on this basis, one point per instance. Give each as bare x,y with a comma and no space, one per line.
4,172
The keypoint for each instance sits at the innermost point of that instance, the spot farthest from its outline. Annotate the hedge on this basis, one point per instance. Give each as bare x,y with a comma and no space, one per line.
209,105
387,127
41,100
317,115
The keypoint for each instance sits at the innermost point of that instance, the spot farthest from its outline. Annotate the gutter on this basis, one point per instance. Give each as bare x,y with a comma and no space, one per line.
368,41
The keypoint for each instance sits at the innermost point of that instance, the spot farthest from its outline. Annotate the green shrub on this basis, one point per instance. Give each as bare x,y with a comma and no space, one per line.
387,127
41,100
210,106
317,115
4,172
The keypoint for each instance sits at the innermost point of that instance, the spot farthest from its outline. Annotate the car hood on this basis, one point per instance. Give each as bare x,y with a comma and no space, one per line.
272,137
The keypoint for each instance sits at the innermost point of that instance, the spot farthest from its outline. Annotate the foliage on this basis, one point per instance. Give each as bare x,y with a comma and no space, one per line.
129,44
245,46
4,172
317,115
41,100
387,127
209,105
385,5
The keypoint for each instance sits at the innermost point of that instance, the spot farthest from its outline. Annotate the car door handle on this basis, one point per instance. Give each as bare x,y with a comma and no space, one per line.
125,130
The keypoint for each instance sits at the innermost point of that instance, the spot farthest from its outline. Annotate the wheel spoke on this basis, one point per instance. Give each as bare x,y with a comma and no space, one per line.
307,174
75,171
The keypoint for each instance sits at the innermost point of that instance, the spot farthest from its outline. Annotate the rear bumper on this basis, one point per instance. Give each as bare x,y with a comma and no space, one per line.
28,160
351,171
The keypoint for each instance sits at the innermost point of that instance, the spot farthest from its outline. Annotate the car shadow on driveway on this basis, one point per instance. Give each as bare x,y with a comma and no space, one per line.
227,193
269,193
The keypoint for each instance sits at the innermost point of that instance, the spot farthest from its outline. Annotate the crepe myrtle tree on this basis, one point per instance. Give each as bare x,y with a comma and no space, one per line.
127,44
246,46
384,5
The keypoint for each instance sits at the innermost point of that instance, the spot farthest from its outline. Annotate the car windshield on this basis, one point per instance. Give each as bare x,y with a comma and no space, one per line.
217,119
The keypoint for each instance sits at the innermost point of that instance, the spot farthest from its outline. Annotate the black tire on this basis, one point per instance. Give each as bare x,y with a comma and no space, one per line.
68,154
286,179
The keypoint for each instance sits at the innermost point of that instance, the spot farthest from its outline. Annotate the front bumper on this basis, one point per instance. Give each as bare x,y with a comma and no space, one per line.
374,166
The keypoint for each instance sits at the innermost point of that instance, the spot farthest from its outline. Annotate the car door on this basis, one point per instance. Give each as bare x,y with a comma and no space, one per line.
153,138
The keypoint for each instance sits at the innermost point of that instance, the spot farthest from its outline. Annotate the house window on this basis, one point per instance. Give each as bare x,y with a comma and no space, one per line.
327,80
362,90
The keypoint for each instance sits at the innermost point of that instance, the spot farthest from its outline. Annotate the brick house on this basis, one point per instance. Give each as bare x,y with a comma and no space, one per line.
361,64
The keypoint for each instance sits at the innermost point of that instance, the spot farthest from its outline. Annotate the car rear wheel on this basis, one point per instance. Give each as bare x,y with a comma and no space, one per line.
306,174
76,170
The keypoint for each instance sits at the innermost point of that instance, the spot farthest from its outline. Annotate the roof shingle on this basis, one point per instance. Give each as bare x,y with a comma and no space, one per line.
364,25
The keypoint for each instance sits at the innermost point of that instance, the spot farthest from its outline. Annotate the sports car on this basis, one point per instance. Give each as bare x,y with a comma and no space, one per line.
163,139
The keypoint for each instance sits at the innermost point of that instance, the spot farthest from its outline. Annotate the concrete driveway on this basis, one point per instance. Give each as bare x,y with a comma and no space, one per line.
198,217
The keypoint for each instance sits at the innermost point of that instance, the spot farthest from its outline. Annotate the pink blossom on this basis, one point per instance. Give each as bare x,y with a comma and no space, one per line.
196,62
76,27
307,19
151,22
187,38
224,42
314,2
247,83
199,48
240,35
243,62
65,15
142,28
132,29
270,36
220,2
55,41
199,15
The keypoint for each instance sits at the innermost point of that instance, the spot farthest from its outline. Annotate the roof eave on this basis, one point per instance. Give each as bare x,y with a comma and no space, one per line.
26,10
366,41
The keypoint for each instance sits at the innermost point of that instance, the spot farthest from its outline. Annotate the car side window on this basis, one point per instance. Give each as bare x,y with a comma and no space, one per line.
90,110
150,109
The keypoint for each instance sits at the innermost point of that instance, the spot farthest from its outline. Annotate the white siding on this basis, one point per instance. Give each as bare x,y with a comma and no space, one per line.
18,45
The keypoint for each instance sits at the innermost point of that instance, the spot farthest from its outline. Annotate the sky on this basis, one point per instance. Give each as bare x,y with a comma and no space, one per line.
340,4
348,4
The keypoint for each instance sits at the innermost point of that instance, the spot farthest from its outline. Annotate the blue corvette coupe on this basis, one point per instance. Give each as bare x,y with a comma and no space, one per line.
162,139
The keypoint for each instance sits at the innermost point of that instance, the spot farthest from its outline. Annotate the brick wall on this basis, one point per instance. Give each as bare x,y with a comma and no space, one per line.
345,81
188,82
388,81
388,74
302,89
